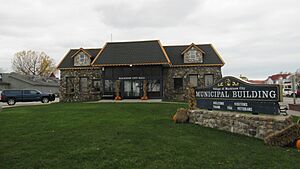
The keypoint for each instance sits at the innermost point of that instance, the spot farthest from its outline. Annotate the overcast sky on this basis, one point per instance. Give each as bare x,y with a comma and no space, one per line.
256,38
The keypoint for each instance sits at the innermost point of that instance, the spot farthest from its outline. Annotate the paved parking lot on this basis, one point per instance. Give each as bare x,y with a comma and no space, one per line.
289,100
5,105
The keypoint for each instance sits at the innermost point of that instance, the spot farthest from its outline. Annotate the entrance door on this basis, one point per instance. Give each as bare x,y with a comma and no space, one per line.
132,88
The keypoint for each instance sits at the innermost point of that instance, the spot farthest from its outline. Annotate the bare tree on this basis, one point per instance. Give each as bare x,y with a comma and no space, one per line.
33,63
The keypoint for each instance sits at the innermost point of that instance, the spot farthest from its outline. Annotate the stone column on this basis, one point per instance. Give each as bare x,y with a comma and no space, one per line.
191,97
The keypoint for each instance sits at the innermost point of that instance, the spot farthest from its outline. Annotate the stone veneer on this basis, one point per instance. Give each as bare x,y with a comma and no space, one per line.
259,126
183,72
90,73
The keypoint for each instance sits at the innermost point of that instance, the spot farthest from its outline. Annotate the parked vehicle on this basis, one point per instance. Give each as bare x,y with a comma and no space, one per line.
13,96
298,93
287,92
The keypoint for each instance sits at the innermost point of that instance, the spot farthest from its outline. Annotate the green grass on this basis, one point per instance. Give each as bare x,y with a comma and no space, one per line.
295,119
108,135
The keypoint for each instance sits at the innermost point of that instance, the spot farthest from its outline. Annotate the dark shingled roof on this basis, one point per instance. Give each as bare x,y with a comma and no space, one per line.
68,61
142,52
176,58
138,52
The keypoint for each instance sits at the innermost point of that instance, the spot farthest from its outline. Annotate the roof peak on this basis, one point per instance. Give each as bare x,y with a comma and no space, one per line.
186,45
135,41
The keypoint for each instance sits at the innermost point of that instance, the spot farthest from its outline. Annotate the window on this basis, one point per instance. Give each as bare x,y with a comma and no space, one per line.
70,85
193,80
208,80
153,86
193,54
108,85
96,85
178,83
81,58
84,84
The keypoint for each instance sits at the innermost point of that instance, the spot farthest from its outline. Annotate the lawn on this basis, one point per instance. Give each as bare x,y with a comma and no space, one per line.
125,135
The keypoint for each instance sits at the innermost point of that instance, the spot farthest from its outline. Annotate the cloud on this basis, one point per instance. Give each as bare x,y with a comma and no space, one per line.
256,38
141,14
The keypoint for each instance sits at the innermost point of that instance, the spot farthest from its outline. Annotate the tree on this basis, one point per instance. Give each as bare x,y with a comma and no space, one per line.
33,63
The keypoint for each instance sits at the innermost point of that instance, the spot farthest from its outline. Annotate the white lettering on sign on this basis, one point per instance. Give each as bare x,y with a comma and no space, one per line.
216,107
229,108
249,109
237,94
218,103
129,78
240,104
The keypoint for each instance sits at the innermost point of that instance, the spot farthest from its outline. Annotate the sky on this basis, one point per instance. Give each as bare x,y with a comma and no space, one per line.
256,38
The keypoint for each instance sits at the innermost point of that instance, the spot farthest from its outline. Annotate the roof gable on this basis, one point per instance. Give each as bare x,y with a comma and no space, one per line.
192,45
212,58
68,61
132,53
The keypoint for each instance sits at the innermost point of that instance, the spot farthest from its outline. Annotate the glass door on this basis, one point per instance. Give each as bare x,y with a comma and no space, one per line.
132,88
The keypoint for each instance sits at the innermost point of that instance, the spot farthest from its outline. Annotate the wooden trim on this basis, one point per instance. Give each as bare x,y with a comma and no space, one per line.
134,64
98,55
79,68
217,54
81,49
164,51
200,65
63,59
192,45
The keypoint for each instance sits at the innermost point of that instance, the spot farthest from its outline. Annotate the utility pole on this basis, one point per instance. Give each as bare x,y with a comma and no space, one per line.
294,87
110,37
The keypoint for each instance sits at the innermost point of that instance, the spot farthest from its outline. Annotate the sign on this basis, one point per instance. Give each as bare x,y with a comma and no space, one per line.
233,94
132,78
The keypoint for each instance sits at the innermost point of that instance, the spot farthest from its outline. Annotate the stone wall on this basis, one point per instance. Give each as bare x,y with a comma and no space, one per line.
77,95
183,72
259,126
187,56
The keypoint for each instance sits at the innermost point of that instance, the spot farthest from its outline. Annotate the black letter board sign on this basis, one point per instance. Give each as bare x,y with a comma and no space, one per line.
233,94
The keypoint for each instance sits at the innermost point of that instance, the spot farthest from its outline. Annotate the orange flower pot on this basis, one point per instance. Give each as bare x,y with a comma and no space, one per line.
298,144
118,98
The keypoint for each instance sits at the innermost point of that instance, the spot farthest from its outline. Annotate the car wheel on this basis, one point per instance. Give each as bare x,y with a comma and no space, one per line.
11,101
45,100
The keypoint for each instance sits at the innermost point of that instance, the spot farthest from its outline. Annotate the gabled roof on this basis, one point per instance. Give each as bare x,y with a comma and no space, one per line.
142,53
131,53
68,61
210,57
279,76
189,47
34,80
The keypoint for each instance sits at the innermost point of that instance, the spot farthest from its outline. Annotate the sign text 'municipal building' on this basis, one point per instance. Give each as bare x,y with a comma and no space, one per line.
232,94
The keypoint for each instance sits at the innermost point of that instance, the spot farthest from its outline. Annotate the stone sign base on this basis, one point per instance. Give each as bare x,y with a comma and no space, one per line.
258,126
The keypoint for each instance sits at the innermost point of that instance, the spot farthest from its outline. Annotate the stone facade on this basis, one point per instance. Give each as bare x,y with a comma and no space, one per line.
259,126
170,93
93,76
198,57
81,59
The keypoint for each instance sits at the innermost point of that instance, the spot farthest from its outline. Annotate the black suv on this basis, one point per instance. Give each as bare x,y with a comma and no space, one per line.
13,96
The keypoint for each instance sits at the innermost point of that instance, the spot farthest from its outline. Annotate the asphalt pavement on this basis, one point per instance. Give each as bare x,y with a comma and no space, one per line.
290,100
5,105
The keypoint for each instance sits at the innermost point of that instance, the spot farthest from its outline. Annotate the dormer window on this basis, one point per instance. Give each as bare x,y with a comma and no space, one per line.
82,59
193,54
